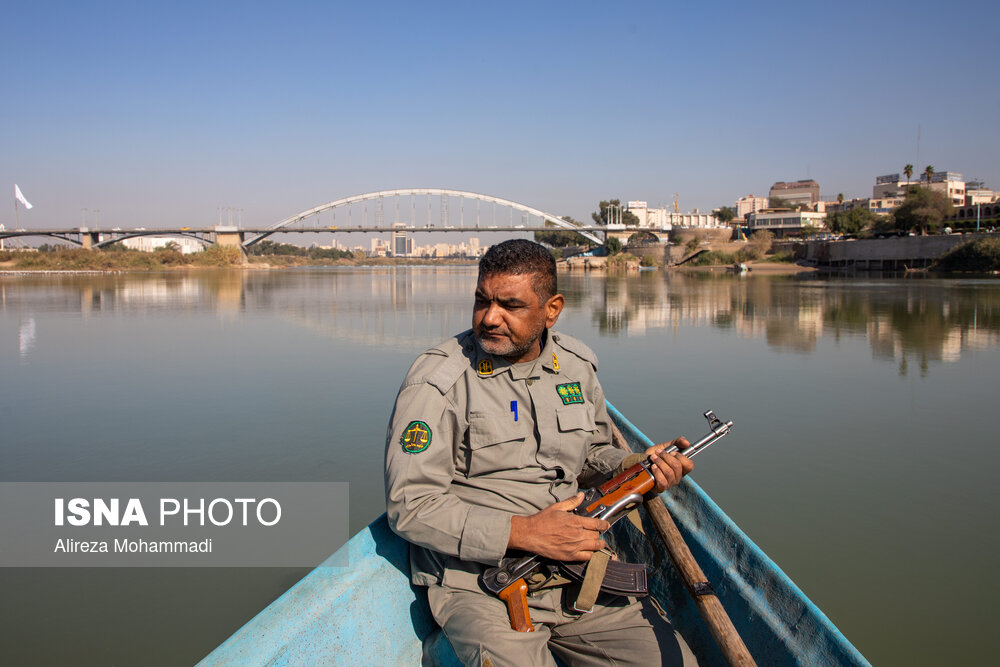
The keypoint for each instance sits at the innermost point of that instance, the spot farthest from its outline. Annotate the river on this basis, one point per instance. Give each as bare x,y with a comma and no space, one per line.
861,460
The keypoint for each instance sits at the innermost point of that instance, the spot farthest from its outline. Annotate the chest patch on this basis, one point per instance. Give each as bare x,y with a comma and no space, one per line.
570,393
416,437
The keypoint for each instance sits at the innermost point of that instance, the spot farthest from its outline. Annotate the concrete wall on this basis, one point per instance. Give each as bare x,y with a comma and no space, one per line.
895,253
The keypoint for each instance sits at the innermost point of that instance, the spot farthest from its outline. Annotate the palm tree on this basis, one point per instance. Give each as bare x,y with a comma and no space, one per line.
928,172
908,170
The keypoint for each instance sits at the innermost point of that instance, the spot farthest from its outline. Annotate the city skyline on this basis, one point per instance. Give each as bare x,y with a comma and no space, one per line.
159,115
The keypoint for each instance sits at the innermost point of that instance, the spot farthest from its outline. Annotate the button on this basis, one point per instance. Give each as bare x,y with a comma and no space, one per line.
530,382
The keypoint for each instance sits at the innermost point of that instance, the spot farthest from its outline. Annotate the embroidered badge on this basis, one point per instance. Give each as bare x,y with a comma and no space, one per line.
555,362
485,367
416,437
570,392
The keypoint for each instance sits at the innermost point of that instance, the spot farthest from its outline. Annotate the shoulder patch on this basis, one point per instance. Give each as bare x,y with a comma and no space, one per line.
575,347
416,437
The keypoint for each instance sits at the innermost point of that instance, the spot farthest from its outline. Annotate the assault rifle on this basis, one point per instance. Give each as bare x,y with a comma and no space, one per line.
610,501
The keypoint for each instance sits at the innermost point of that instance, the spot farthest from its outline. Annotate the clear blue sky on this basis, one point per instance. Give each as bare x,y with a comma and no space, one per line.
158,113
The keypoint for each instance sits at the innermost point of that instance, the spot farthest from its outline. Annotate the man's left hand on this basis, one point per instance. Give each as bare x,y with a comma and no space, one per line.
668,469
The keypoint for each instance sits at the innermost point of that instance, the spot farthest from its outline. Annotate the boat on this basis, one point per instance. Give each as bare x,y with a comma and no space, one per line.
368,612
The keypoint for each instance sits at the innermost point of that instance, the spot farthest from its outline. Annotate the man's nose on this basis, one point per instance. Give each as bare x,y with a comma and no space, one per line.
492,317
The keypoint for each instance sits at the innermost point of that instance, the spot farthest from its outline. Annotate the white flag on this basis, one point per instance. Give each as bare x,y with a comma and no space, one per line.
19,197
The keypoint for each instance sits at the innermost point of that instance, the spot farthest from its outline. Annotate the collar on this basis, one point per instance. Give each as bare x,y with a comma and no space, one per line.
488,365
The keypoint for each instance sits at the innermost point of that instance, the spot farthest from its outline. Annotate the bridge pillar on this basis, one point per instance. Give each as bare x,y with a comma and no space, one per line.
89,239
228,237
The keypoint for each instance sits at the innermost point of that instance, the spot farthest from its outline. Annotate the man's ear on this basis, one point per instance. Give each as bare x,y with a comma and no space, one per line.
553,307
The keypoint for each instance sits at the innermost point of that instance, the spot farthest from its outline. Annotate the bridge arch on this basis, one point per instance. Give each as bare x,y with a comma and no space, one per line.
416,192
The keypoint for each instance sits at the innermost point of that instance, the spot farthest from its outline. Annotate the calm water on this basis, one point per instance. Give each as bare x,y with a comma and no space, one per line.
863,460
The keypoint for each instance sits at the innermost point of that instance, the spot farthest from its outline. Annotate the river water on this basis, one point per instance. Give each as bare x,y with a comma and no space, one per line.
863,457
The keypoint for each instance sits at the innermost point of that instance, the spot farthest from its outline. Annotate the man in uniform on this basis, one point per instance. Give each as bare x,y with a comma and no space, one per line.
493,433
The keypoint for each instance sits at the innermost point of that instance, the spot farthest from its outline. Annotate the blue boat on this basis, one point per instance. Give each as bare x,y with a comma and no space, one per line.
369,613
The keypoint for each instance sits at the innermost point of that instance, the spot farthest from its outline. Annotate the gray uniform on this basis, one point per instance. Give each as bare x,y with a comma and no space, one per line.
474,440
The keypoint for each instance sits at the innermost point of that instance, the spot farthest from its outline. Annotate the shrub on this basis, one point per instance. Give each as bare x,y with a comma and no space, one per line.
978,256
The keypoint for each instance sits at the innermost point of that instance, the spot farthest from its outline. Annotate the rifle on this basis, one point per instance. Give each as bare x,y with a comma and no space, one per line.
610,501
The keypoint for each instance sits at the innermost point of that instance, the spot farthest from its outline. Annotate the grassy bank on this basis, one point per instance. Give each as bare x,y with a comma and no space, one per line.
123,259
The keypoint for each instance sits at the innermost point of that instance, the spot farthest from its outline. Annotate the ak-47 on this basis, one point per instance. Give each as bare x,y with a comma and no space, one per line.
610,501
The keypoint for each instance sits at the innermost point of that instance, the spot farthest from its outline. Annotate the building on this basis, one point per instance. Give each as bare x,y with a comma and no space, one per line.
185,245
786,222
664,219
949,183
749,204
889,186
796,193
402,244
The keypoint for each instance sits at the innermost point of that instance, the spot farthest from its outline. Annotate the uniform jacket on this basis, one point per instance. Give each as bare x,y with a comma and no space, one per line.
474,439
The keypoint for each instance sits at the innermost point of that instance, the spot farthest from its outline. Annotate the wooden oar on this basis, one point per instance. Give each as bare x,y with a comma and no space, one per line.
719,623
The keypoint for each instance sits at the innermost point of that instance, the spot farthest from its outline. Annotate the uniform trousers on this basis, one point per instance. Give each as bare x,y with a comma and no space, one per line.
619,631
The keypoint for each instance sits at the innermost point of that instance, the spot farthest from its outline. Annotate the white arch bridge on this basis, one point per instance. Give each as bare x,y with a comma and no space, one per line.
406,210
423,210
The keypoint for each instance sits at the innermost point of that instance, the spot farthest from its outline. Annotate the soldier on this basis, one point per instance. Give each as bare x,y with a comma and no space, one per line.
492,434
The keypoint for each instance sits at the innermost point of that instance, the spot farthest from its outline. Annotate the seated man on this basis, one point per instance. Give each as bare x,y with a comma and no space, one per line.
493,433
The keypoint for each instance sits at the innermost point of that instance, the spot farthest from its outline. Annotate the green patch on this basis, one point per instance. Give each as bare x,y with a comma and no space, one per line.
416,437
570,393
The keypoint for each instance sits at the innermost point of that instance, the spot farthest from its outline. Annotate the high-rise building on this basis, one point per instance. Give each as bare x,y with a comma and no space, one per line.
796,192
749,204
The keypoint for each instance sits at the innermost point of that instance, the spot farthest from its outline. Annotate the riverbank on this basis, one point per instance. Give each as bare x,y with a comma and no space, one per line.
122,260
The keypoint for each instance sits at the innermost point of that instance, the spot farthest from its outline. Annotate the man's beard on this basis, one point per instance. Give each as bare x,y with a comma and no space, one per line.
505,347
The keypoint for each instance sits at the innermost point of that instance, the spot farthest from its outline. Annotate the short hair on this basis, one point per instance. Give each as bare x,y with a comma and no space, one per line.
519,257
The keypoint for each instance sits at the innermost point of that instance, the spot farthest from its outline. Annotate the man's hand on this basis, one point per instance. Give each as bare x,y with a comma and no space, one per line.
668,469
557,533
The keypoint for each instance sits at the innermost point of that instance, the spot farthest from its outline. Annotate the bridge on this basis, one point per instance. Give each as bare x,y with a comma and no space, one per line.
439,211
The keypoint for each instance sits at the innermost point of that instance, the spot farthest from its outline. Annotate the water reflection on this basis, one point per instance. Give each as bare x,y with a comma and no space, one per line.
910,322
924,320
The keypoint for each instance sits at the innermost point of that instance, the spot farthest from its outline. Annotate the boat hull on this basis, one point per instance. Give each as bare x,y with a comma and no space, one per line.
369,613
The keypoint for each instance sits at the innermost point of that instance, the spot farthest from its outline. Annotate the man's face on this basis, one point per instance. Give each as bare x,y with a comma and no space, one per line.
509,318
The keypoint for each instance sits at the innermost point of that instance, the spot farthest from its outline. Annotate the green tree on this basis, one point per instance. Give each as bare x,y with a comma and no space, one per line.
613,245
928,172
923,210
560,238
840,198
724,214
853,222
610,209
908,170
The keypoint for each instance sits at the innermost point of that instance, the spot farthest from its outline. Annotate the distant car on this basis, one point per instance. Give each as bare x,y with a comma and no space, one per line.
185,229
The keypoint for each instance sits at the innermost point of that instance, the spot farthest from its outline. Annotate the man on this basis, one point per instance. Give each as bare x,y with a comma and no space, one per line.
493,433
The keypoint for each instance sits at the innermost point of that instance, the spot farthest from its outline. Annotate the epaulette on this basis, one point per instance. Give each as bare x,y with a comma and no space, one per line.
578,348
455,363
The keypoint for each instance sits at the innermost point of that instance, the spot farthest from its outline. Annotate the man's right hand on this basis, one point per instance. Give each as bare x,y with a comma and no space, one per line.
557,533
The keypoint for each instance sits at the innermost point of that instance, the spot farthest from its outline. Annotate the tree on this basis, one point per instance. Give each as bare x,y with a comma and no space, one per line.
923,210
613,245
724,214
560,238
609,212
908,170
928,172
854,221
840,198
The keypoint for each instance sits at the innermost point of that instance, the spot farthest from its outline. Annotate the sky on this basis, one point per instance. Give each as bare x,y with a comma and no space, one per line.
157,113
